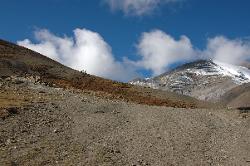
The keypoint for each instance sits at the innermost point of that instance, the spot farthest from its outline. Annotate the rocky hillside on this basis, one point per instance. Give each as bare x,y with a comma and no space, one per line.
53,115
22,62
204,79
45,125
238,97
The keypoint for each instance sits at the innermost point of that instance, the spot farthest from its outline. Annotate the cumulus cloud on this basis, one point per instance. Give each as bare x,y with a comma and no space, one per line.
231,51
137,7
86,50
159,50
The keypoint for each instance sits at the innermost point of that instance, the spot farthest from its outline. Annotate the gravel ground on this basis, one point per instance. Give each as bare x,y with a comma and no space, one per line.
72,128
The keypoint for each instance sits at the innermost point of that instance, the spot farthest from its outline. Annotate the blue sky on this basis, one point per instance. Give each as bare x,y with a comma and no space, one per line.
122,30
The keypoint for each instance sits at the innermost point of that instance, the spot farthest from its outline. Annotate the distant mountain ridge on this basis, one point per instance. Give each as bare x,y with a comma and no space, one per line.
202,79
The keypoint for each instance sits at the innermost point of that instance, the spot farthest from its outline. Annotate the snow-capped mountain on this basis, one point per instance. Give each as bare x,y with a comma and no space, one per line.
203,79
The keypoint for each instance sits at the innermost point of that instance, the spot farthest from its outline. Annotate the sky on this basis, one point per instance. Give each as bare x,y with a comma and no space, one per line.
125,39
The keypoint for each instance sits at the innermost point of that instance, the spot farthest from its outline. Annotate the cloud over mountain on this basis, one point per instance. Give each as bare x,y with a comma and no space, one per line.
227,50
157,51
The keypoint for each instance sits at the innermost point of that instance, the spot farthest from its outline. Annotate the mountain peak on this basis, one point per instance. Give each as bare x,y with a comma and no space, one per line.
195,78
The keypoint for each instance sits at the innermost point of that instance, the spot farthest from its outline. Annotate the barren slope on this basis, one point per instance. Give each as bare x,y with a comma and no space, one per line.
60,127
53,115
238,97
19,61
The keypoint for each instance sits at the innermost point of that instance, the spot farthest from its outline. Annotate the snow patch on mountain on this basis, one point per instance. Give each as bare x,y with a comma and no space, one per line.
183,77
239,74
203,79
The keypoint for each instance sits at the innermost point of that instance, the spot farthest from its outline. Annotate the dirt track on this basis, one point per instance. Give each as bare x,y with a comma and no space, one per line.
58,127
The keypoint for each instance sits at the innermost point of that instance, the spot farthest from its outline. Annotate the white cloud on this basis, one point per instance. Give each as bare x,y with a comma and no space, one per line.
159,50
87,50
231,51
137,7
